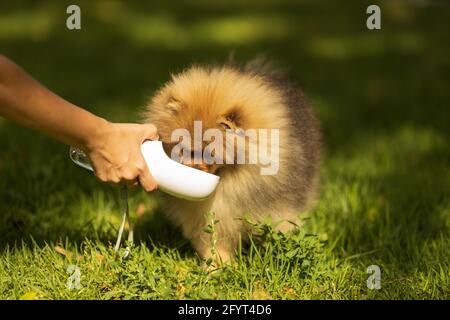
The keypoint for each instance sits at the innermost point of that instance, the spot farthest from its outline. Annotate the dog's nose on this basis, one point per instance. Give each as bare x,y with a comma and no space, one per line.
210,168
202,166
198,163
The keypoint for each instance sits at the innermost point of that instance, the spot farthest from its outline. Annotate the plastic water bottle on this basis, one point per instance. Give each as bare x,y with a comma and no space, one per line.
80,158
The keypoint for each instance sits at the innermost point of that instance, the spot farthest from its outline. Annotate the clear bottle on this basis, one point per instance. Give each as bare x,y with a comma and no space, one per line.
80,158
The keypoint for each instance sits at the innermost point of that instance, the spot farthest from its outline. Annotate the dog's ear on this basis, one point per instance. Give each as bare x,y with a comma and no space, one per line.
174,105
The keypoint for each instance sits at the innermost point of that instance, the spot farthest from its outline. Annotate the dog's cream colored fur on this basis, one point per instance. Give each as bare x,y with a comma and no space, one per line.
233,97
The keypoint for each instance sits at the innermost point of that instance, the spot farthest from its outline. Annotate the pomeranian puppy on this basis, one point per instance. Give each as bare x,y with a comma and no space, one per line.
235,99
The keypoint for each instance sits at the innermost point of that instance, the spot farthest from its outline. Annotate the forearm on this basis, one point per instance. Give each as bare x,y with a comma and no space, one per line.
25,101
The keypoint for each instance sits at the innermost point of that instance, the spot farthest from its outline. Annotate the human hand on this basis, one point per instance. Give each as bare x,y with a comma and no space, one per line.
113,148
115,153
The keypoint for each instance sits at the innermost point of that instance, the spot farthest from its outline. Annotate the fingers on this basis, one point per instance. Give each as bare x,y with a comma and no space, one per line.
139,175
119,158
101,176
147,182
108,176
146,179
129,177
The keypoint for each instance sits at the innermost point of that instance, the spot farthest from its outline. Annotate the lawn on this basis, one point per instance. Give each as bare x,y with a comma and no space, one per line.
382,98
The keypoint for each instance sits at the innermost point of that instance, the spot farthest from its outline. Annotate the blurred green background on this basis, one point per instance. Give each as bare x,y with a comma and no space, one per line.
382,97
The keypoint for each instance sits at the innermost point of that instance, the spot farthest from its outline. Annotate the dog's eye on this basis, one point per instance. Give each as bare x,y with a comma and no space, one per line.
225,125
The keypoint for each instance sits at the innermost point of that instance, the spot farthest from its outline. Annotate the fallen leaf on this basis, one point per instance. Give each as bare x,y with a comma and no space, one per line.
68,254
100,257
140,210
261,294
60,250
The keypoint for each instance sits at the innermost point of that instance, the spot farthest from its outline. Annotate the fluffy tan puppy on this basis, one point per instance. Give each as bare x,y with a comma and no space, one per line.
230,98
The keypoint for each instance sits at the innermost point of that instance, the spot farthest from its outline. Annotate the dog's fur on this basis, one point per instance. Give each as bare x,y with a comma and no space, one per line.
248,97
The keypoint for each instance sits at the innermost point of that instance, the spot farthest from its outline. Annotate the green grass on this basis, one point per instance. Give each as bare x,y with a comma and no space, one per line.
382,98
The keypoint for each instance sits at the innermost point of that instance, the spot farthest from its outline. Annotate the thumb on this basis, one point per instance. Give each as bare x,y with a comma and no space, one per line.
150,132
